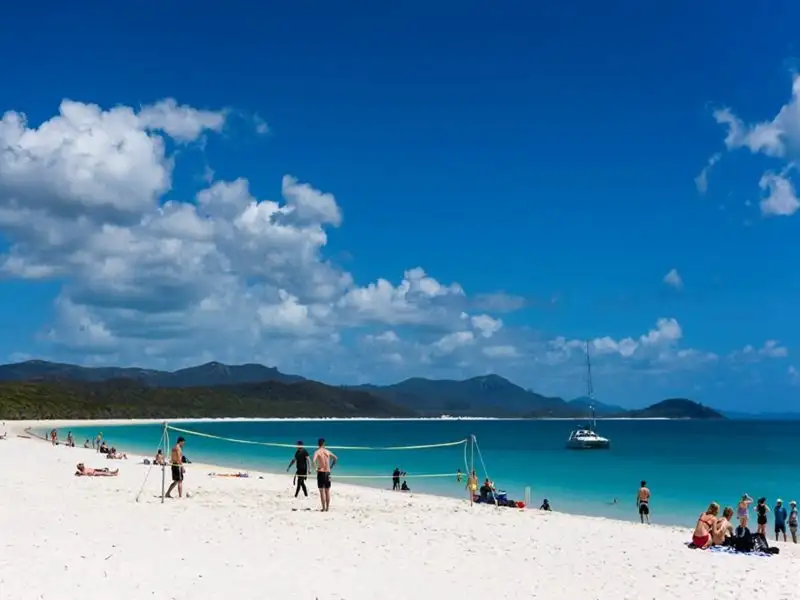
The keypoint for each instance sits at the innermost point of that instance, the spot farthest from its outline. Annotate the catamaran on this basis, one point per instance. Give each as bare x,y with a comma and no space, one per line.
585,437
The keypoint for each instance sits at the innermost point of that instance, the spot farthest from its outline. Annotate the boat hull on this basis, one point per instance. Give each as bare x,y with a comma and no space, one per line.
588,445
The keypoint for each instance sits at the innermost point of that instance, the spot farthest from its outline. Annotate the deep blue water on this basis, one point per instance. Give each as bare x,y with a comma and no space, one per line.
687,464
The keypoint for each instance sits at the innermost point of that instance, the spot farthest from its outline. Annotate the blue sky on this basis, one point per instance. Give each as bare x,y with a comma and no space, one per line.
539,164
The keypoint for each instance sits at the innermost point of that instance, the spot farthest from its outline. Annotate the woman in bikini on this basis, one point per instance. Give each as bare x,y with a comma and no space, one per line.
743,510
701,537
84,471
472,486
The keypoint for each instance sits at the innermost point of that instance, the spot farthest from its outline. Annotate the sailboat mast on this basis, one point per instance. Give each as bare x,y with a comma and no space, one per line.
589,386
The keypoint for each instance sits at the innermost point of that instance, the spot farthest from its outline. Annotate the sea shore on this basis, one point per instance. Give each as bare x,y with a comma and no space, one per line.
66,537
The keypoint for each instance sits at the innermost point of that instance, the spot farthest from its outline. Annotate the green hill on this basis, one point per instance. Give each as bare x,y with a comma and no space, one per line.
676,408
128,399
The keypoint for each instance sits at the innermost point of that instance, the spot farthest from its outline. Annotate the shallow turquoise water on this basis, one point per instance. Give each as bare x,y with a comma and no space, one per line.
687,464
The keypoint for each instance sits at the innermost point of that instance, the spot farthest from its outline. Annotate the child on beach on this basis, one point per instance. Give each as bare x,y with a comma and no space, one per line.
761,512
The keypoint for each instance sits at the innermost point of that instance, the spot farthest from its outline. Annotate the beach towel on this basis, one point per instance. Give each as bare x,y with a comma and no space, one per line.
730,550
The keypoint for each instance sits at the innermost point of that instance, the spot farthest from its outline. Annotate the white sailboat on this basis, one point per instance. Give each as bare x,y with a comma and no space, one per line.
585,437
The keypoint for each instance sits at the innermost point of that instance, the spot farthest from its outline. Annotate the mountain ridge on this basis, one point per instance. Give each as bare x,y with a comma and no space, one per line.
481,396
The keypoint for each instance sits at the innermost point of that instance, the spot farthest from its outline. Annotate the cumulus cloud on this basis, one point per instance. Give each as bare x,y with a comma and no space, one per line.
231,273
778,138
673,279
83,202
769,349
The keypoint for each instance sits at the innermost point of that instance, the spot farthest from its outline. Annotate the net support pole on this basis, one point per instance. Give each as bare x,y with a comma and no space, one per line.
164,462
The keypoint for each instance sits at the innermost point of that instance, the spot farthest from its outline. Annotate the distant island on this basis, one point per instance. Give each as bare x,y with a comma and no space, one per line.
46,390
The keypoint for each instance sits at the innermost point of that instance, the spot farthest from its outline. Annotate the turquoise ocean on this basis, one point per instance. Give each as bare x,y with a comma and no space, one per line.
687,464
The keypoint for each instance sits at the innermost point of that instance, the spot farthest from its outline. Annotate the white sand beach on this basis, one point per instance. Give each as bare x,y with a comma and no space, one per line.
64,537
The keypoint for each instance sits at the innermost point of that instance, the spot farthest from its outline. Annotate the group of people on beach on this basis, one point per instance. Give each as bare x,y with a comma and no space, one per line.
323,462
712,529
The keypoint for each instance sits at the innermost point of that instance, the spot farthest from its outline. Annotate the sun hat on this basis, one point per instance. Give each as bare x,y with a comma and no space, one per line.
793,503
778,501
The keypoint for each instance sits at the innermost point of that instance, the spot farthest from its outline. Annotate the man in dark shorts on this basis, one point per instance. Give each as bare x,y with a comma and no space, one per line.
301,459
643,502
324,461
176,460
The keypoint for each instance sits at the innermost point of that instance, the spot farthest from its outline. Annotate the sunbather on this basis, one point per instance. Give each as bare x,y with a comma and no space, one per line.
701,537
84,471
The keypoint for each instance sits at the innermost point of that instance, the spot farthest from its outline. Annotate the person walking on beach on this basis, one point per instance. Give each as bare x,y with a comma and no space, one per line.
780,519
643,502
176,460
324,461
300,459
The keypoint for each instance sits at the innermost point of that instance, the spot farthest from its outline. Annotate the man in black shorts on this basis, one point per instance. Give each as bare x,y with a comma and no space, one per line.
301,460
324,461
643,502
176,460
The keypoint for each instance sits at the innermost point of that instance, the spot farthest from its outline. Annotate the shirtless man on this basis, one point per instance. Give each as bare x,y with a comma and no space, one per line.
643,502
176,459
324,461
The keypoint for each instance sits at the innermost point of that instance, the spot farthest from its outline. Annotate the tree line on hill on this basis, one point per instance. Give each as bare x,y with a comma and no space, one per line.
46,390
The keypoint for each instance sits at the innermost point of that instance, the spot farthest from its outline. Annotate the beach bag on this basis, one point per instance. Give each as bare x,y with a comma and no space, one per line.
743,540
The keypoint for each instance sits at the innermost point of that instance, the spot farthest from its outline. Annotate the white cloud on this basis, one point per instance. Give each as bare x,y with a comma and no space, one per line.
701,181
451,342
778,137
770,349
486,325
781,199
225,274
673,279
505,351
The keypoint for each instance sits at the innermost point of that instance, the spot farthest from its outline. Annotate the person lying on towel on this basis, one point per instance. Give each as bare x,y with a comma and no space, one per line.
84,471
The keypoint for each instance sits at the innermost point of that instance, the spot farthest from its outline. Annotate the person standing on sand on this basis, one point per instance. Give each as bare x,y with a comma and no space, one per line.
780,519
793,520
301,473
176,459
643,502
324,461
472,486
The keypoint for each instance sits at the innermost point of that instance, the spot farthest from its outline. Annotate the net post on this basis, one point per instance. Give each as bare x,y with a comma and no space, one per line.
164,462
527,496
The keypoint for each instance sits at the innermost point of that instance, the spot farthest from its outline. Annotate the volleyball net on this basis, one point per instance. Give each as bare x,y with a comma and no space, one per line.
453,460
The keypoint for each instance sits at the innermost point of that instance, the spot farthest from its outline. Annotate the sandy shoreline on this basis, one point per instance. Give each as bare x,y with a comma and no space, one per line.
65,537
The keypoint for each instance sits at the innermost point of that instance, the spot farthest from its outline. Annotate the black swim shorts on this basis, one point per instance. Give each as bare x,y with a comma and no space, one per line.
177,473
780,527
323,480
644,508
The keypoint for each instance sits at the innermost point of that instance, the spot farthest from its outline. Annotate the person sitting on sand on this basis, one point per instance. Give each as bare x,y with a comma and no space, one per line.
159,458
404,487
114,455
723,530
701,537
487,489
84,471
545,505
87,443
